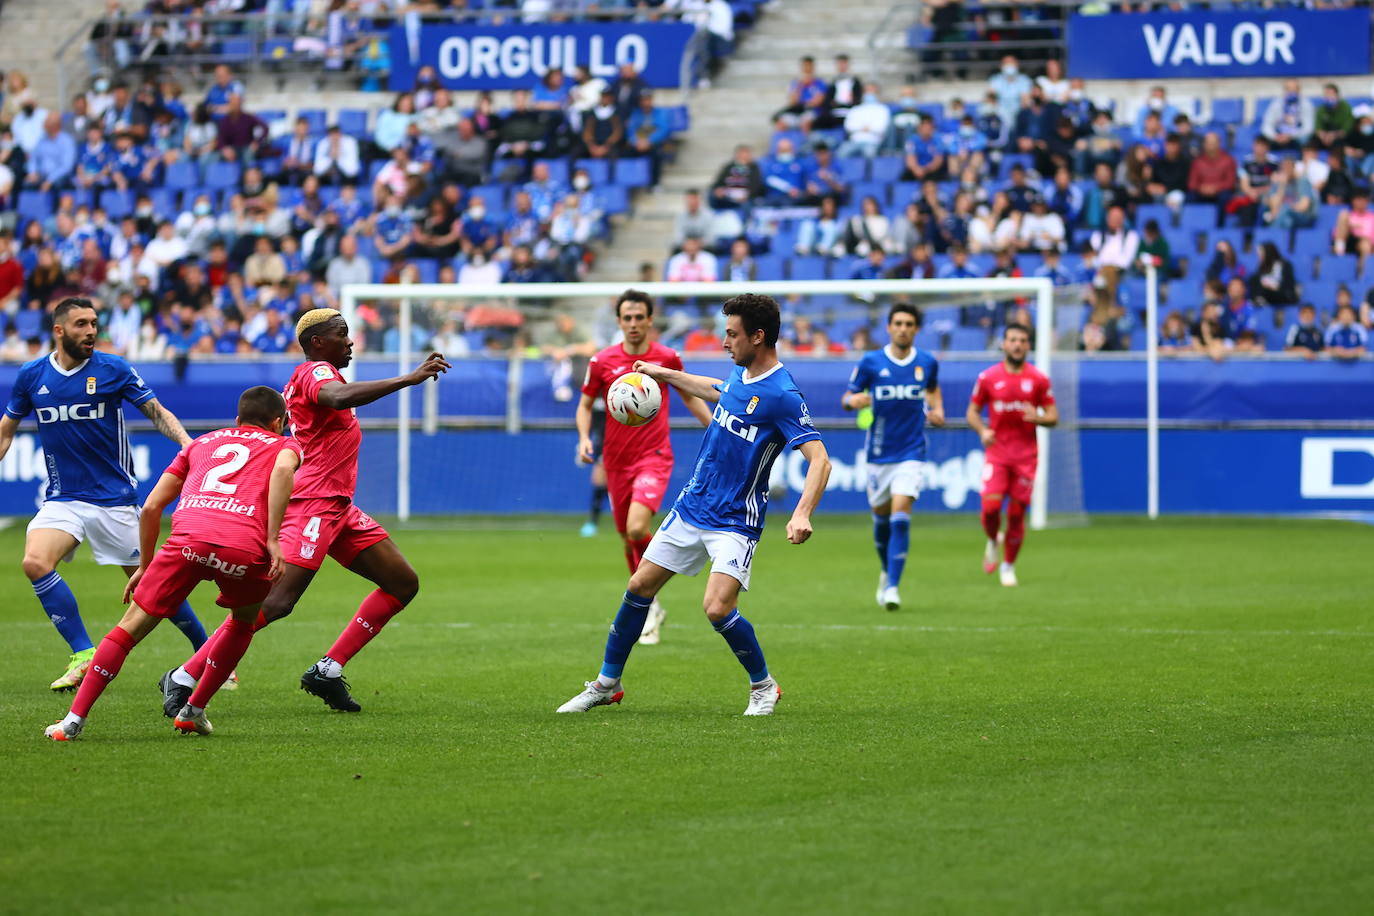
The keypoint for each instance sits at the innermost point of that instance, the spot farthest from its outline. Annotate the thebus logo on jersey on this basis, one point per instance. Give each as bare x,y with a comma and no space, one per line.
66,412
215,562
898,392
731,423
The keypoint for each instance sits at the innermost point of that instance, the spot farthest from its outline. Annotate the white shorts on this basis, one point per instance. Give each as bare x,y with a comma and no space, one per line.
902,478
112,531
681,547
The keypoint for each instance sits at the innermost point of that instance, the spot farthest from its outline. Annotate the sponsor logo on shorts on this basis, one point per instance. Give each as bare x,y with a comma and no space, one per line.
214,562
307,551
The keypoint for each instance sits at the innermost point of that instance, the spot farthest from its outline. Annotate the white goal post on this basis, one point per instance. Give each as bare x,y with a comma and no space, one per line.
967,289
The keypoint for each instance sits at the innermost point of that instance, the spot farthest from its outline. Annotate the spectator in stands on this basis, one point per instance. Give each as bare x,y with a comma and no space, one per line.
1256,177
1212,176
866,229
1101,197
1154,251
52,161
1054,268
11,274
958,267
823,177
1332,120
822,234
1116,246
1010,85
1034,124
1290,119
925,157
1064,197
1238,313
740,267
784,177
1273,282
965,148
1041,229
1304,337
465,154
336,158
1291,202
1060,147
221,90
692,264
241,136
993,226
738,182
264,265
873,267
1346,338
1157,103
523,268
523,131
603,130
1135,174
1052,82
1169,174
866,125
806,96
693,219
1313,168
1174,336
1100,146
95,161
200,139
390,225
347,266
648,131
299,160
439,234
703,338
843,93
390,130
1225,264
543,190
918,265
1354,230
552,93
913,226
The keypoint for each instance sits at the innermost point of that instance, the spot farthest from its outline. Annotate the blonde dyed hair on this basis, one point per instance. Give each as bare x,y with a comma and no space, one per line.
315,317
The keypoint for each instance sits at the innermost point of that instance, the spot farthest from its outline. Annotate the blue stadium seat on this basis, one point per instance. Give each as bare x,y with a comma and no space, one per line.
236,50
1322,293
1339,269
613,199
35,205
1025,160
164,202
117,204
1327,218
876,189
1280,238
1309,244
428,269
1160,213
807,268
1198,217
181,175
493,195
887,168
558,169
968,339
315,117
853,169
1228,111
276,49
288,196
353,121
679,117
268,115
770,266
633,173
82,197
1261,106
221,176
598,169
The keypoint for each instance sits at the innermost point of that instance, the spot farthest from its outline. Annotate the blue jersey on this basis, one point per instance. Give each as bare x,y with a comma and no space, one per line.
81,425
898,389
753,422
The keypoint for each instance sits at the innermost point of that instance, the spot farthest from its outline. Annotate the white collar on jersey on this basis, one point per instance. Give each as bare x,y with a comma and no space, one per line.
52,360
744,376
887,351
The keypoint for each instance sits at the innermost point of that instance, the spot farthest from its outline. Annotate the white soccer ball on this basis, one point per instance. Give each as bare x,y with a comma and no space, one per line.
634,399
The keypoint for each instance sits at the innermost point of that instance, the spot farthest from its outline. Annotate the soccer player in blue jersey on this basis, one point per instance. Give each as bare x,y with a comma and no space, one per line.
718,516
76,395
902,384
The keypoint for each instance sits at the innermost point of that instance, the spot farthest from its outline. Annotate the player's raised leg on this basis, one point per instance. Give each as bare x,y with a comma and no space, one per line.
626,628
721,606
638,520
104,668
397,585
43,549
231,643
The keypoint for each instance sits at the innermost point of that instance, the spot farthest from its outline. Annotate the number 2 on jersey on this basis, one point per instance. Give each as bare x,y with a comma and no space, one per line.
214,478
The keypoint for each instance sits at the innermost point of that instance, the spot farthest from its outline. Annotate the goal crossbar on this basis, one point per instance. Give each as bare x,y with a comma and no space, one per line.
1041,288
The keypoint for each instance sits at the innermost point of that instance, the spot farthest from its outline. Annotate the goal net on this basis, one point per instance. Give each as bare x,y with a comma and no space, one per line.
496,434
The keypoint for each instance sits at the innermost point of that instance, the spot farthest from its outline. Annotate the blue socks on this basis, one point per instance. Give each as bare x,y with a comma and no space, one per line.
60,605
739,635
882,532
629,623
187,622
897,547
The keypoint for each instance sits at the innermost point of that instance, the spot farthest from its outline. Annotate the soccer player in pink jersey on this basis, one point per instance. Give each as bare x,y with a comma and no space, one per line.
322,519
234,485
1018,399
638,459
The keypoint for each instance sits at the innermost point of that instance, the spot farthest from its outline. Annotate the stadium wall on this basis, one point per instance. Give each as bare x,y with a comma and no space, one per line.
1243,437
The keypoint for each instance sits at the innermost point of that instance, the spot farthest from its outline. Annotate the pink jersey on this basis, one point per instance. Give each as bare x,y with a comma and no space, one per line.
625,445
329,437
226,474
1006,396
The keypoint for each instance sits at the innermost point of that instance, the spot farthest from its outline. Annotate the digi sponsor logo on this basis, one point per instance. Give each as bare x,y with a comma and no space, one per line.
1319,468
65,412
898,392
733,424
214,562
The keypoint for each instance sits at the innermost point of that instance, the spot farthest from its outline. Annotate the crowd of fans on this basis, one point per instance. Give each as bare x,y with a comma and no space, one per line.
200,227
1038,178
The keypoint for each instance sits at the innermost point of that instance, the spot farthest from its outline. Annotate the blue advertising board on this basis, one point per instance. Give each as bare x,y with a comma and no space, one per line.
1220,44
485,56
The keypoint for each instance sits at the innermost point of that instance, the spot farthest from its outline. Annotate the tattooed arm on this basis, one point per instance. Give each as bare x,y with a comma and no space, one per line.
164,421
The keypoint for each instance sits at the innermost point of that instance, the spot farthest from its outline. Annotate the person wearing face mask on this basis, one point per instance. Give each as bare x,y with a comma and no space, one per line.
1290,119
964,147
866,125
480,235
28,121
784,177
391,229
1333,119
1158,102
197,226
1010,86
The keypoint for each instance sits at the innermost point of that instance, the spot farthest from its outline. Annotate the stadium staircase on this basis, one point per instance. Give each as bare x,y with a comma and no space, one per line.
32,32
737,109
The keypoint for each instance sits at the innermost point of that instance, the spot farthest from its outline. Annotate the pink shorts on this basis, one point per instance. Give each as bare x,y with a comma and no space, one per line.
327,526
641,483
181,564
1014,480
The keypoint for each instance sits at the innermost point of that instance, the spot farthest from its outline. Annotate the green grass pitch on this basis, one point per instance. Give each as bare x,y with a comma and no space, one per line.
1171,717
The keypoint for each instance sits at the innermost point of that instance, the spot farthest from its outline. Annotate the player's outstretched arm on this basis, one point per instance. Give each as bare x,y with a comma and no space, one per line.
164,421
697,386
799,525
698,408
8,427
974,416
347,395
150,525
856,400
279,487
